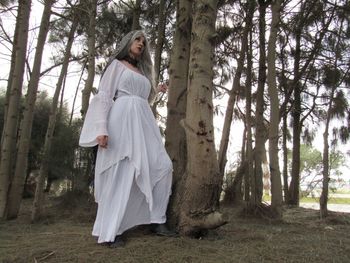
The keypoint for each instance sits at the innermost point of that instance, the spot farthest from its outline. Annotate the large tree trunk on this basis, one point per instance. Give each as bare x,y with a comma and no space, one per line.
91,12
175,138
10,126
17,184
202,186
276,185
260,130
44,167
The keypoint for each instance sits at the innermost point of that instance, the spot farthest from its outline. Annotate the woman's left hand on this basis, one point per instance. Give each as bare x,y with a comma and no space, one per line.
162,87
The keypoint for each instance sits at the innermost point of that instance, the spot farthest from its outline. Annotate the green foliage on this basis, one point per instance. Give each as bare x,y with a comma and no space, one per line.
311,159
65,142
331,76
40,121
340,105
65,138
311,168
308,135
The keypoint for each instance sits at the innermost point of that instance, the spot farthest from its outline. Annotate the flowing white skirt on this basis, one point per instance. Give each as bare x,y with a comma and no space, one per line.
134,174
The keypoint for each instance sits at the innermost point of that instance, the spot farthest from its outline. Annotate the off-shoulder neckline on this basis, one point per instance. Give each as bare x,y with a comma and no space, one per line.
139,73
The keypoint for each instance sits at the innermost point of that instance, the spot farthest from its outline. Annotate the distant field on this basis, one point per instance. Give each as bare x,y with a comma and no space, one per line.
342,191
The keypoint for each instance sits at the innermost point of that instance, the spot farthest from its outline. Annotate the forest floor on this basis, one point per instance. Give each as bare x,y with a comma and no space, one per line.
65,236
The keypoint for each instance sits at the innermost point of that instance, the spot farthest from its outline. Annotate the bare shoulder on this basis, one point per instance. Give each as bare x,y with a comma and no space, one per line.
126,64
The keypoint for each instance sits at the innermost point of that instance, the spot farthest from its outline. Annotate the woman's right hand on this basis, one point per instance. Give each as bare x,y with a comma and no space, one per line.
102,141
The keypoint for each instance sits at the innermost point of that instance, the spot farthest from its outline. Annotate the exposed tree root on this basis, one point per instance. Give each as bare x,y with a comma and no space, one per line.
199,226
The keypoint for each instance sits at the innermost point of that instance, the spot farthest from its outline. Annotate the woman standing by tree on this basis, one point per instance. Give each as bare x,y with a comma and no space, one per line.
133,172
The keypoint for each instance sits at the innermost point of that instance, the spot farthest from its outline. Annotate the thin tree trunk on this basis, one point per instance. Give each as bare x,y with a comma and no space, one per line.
202,187
276,186
239,188
233,195
234,91
160,39
17,184
253,186
297,89
136,16
285,159
325,162
295,181
39,195
92,6
266,173
175,137
12,68
260,130
10,126
158,51
284,115
244,158
325,157
76,94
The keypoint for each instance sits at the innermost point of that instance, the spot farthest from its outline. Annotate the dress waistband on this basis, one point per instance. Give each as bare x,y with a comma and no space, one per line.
126,94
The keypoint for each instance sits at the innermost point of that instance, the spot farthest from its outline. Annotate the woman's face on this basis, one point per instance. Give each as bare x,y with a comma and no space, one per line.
137,47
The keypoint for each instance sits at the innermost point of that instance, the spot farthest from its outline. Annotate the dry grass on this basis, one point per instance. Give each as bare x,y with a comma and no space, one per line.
64,236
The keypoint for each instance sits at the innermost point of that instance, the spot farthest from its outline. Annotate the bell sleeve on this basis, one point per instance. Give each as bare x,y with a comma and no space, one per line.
95,123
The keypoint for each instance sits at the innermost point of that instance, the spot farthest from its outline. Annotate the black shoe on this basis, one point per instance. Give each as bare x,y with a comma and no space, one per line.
162,230
118,242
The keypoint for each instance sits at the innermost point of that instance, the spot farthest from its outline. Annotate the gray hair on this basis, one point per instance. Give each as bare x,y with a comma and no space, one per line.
145,64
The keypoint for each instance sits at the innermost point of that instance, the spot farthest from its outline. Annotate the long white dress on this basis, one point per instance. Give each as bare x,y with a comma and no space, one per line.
133,174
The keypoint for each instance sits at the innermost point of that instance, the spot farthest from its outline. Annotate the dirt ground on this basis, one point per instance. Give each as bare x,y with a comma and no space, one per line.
65,236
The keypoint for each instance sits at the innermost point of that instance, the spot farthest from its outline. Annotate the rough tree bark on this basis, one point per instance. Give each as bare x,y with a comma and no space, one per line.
17,184
175,138
12,68
202,187
10,126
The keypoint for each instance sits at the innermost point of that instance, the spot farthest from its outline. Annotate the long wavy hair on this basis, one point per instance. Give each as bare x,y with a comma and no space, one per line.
145,64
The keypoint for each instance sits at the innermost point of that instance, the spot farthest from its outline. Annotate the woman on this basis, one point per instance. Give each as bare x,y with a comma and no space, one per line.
133,172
